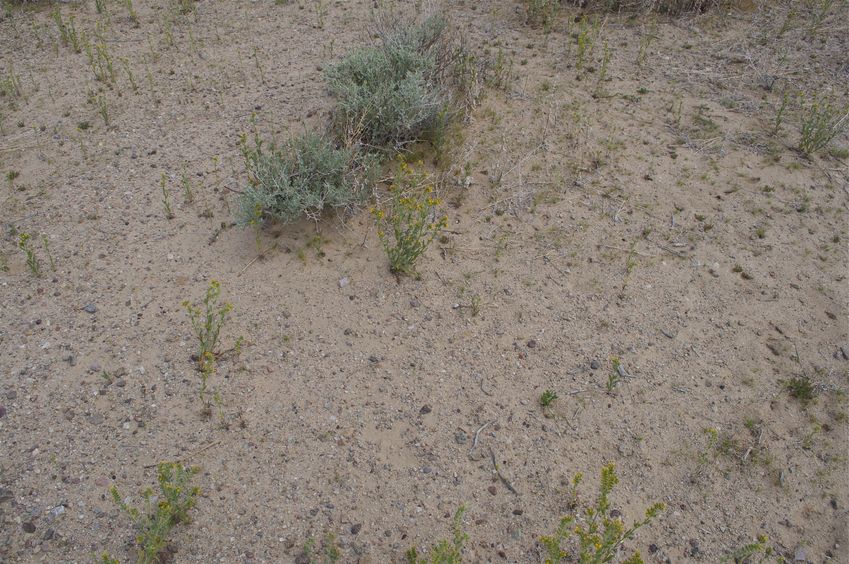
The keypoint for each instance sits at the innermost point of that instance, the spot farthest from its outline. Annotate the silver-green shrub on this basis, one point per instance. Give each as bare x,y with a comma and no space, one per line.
302,178
395,92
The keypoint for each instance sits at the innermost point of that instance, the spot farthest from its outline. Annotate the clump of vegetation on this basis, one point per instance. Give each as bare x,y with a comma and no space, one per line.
599,534
542,12
671,7
302,178
161,512
396,92
32,261
410,219
800,388
547,398
756,552
446,552
207,321
821,123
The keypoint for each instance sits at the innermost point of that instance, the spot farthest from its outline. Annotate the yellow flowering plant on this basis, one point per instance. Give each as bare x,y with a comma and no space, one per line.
600,535
408,222
162,512
207,321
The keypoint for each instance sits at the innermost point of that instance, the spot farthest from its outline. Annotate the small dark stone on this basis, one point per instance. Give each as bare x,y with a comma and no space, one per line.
48,534
415,303
11,394
356,528
28,527
460,437
492,489
517,512
653,548
90,308
532,344
425,409
427,470
594,365
373,359
120,382
615,513
2,411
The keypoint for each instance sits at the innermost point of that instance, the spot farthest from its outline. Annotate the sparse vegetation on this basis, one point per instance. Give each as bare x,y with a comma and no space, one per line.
303,178
800,388
162,511
207,321
547,398
407,223
821,123
445,552
599,534
25,244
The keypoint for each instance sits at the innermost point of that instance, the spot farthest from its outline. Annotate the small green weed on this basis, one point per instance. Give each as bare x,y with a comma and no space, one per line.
26,246
166,197
163,511
446,552
613,376
207,321
800,388
599,534
67,31
547,398
543,12
410,216
821,123
754,553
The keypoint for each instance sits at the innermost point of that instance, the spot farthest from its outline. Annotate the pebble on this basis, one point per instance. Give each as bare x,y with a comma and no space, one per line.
427,470
11,394
517,512
461,438
532,344
95,368
28,527
90,308
800,555
344,281
2,411
56,512
492,489
594,365
425,409
415,303
356,528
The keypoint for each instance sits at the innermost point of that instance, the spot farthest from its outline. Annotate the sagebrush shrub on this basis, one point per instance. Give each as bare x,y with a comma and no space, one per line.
304,177
393,93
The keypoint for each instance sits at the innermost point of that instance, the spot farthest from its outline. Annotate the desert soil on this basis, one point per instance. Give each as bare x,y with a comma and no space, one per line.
656,218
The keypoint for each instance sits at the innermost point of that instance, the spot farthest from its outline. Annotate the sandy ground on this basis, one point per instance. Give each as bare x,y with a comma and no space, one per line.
652,217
